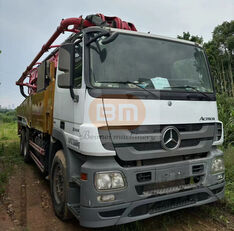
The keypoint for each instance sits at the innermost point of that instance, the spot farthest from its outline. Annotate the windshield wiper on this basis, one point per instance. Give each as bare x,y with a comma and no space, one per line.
136,84
191,87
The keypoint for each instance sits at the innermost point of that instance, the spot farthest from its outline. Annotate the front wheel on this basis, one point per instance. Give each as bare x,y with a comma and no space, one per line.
59,186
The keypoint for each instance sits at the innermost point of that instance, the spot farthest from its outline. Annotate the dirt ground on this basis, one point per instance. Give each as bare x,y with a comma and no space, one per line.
27,206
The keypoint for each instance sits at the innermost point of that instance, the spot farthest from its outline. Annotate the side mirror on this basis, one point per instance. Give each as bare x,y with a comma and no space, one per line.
66,64
41,77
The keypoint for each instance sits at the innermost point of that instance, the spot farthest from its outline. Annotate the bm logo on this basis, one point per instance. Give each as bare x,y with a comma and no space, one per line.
117,112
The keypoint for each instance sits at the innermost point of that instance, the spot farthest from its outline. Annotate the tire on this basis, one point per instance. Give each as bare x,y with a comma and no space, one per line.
26,154
59,186
22,140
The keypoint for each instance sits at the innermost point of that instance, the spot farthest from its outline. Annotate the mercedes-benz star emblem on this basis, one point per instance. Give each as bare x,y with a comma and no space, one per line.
170,138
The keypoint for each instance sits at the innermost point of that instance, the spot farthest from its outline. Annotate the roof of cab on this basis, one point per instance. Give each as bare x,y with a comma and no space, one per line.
155,36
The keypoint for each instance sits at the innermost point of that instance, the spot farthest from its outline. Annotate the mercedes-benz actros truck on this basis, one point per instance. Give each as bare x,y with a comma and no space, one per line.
124,124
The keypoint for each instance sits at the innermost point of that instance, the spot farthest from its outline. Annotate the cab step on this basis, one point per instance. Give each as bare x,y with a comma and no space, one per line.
75,209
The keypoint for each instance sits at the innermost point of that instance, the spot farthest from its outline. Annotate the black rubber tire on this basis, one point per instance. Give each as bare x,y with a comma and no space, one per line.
26,154
22,140
60,204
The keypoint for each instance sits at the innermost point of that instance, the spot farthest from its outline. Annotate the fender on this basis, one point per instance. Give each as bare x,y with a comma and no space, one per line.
74,159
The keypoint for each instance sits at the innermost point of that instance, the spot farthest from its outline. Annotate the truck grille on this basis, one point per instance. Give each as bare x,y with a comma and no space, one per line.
144,142
157,145
161,188
174,159
148,129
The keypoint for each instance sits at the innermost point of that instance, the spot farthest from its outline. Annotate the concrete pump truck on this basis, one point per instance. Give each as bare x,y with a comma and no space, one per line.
124,124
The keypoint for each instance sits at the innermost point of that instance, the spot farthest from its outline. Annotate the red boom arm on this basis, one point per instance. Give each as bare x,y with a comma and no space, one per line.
78,24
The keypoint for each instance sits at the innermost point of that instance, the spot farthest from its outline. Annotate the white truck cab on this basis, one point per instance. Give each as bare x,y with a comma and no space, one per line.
144,117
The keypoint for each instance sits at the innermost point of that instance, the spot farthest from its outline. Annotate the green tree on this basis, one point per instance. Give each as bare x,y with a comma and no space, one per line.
193,38
220,52
223,39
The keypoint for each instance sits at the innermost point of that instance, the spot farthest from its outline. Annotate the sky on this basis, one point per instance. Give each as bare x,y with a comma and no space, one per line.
25,25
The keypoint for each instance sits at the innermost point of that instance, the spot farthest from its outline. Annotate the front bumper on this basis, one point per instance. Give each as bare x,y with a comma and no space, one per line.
131,205
142,209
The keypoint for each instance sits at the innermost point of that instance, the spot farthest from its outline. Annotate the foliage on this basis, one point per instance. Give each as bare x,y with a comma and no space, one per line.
220,53
7,116
229,164
187,36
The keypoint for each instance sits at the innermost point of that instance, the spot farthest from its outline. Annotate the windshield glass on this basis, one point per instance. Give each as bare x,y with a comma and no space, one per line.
149,62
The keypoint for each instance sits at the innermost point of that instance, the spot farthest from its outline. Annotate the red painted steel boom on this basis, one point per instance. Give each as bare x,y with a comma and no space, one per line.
77,24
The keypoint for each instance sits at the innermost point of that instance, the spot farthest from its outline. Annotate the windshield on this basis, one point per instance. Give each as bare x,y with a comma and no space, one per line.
149,62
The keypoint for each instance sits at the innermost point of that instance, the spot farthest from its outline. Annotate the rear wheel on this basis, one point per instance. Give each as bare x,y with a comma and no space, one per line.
22,140
59,186
27,157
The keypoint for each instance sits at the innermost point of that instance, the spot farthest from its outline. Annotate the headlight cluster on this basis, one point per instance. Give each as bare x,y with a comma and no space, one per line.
109,180
217,165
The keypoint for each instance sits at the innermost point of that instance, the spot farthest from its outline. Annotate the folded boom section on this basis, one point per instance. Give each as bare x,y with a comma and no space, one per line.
74,25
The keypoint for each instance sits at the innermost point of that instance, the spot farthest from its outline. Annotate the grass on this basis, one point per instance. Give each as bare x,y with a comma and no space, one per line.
229,164
8,132
9,152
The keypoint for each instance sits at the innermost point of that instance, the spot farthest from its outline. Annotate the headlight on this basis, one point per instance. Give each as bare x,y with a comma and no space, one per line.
217,165
109,180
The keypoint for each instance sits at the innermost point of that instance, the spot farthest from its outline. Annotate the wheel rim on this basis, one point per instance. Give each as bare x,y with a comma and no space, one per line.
58,184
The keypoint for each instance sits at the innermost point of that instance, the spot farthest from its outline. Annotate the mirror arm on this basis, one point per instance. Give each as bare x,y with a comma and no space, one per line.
73,95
